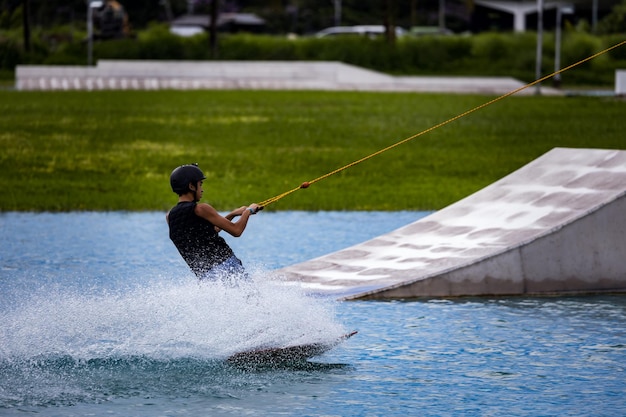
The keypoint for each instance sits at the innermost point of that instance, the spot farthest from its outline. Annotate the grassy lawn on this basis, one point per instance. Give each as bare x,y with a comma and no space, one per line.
114,150
7,80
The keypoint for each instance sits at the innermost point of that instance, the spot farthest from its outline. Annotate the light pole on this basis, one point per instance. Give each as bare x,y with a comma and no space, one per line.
337,6
91,5
560,11
539,45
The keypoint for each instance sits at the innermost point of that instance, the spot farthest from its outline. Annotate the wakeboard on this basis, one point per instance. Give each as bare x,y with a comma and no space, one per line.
285,354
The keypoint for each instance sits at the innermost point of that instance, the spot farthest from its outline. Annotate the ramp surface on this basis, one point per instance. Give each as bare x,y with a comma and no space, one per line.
555,226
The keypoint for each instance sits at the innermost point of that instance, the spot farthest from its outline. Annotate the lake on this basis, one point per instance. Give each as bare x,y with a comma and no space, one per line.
100,316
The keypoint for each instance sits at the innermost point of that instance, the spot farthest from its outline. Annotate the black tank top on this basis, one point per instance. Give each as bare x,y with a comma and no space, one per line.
196,239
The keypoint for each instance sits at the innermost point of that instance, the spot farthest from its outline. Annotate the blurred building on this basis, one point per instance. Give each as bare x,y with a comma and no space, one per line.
522,15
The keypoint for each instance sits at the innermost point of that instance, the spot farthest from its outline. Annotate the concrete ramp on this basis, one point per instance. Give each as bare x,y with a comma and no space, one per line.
555,226
247,75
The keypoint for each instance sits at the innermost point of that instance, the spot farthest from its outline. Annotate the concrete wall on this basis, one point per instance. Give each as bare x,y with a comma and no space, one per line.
620,82
248,75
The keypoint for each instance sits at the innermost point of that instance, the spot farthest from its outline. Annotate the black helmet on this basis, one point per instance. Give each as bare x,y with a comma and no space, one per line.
183,175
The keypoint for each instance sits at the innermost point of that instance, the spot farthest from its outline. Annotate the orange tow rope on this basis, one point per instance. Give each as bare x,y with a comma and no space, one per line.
306,184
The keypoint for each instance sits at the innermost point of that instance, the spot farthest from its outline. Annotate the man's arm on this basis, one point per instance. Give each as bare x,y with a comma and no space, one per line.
235,229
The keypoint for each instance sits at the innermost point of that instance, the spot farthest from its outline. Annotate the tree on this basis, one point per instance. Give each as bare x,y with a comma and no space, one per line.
26,23
614,22
213,28
389,20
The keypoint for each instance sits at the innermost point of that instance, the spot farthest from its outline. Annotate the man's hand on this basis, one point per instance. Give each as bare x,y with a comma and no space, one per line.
254,208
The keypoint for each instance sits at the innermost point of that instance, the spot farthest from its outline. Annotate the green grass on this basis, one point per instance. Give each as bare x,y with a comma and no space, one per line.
114,150
7,79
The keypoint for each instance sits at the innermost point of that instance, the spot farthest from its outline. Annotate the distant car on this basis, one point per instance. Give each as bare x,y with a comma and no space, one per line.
191,25
429,31
186,31
370,31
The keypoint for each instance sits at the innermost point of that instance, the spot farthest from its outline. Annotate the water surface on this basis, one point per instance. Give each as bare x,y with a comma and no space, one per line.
100,316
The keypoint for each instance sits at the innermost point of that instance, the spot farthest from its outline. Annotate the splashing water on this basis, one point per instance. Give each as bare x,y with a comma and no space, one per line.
63,346
206,320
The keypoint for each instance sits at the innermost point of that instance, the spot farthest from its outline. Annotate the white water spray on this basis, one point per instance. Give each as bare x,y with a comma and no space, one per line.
165,320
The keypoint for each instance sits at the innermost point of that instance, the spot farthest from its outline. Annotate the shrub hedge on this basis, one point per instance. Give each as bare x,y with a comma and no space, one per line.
487,54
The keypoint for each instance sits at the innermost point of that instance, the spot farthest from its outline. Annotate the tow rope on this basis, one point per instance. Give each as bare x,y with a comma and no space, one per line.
306,184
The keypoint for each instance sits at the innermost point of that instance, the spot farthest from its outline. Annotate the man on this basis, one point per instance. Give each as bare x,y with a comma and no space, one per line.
194,228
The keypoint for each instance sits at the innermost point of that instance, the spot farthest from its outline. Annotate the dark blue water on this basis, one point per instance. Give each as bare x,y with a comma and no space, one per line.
99,316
